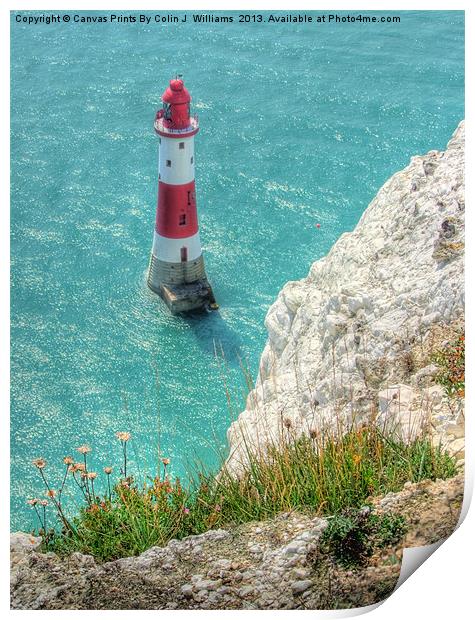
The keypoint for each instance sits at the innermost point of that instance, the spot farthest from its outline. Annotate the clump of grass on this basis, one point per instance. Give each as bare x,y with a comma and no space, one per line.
451,362
322,474
353,536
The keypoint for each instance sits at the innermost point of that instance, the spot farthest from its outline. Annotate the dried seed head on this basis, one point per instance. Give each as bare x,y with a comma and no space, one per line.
84,449
287,422
50,493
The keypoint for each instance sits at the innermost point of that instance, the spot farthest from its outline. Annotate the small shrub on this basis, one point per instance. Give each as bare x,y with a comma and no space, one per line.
353,535
390,530
451,362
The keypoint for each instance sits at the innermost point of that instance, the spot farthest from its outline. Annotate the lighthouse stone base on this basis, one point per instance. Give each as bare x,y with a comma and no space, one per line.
187,297
184,287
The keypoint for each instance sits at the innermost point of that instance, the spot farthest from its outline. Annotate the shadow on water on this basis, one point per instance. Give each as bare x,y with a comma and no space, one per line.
211,331
214,335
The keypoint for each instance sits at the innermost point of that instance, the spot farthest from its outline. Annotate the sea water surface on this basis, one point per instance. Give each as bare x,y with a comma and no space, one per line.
300,124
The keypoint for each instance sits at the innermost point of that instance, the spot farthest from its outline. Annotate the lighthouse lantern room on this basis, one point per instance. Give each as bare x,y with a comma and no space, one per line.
177,272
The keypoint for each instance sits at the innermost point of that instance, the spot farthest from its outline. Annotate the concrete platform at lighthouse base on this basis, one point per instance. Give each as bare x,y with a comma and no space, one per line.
192,296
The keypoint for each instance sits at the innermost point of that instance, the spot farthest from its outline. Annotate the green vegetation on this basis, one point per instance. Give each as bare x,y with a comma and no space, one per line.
353,536
451,361
321,474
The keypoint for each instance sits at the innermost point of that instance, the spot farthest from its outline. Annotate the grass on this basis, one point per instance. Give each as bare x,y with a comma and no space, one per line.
322,474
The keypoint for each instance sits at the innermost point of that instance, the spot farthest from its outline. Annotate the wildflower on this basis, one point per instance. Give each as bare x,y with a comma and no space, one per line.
123,436
217,508
72,468
32,502
84,449
39,463
166,462
357,459
108,470
68,460
186,510
91,475
50,493
83,474
80,467
43,502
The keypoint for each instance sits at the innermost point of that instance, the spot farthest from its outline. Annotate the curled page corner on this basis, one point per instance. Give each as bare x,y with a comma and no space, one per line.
414,557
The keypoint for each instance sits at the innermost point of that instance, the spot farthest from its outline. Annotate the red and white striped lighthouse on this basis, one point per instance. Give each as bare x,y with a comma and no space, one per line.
177,271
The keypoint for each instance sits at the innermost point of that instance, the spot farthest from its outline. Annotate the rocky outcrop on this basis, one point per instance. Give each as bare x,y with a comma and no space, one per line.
275,564
349,333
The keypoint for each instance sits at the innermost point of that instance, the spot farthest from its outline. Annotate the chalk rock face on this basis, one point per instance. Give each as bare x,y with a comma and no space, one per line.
346,332
408,412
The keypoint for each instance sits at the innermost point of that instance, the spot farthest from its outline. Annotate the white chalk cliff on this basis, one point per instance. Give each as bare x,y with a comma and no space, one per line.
342,340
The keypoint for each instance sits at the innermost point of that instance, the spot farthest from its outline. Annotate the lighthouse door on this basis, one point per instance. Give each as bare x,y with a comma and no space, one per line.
184,254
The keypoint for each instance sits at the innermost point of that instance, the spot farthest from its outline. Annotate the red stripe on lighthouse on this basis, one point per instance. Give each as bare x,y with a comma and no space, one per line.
176,211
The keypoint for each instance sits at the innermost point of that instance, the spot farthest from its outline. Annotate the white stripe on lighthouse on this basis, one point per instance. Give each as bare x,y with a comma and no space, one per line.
169,250
176,161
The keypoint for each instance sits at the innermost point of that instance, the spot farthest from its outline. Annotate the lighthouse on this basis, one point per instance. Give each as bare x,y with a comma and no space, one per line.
177,271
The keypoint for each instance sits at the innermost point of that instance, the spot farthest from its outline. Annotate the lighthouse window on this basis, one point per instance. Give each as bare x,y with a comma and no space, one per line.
169,163
191,160
182,220
181,145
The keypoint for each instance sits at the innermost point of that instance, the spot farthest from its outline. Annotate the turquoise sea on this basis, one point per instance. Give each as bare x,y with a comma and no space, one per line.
300,124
